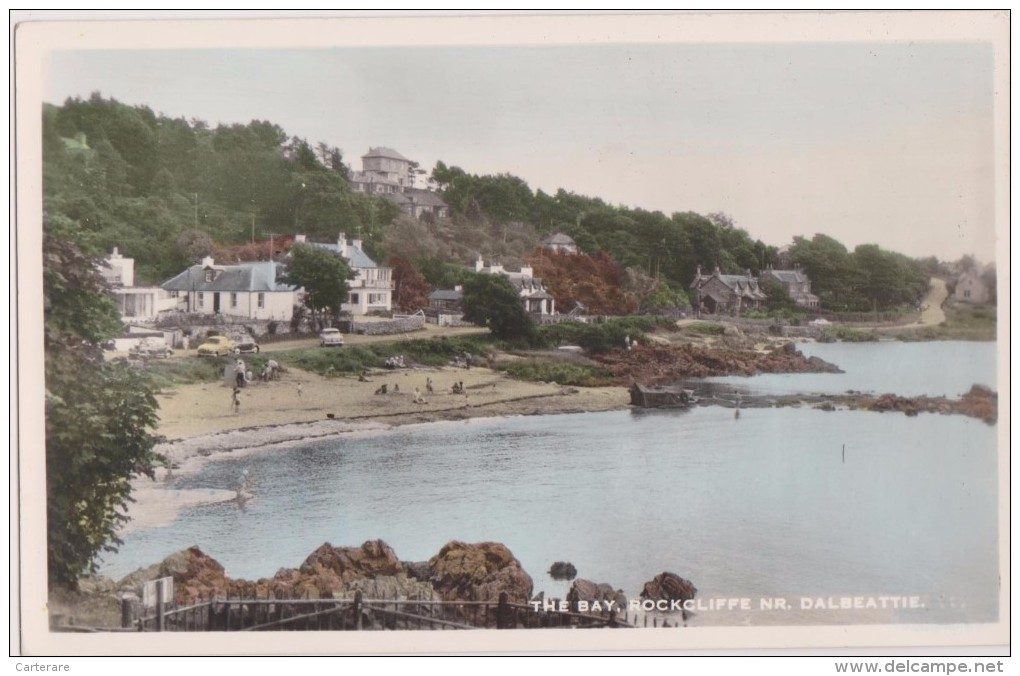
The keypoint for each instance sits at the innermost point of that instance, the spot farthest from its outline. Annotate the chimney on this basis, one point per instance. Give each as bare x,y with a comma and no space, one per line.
715,271
115,253
527,271
207,262
341,241
299,239
356,243
748,272
698,273
479,264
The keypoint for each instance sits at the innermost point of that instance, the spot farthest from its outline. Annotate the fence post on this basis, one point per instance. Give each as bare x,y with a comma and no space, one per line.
357,610
128,603
159,605
503,611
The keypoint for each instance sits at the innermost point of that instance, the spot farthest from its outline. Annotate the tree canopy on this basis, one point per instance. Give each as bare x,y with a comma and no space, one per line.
323,274
100,417
491,300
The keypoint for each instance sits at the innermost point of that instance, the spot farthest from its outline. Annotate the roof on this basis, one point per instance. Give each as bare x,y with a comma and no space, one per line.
249,277
354,255
558,238
383,151
425,198
446,294
740,284
788,276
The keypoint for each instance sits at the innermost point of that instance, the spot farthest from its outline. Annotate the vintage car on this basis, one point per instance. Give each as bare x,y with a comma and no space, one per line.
250,347
149,349
216,346
331,338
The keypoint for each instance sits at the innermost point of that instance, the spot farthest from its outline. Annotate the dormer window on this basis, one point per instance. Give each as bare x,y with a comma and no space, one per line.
208,275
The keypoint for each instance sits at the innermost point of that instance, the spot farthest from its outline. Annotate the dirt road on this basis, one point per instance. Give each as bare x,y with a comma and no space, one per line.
937,293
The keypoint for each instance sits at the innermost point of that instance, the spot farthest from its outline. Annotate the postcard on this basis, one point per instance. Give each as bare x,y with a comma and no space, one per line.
598,332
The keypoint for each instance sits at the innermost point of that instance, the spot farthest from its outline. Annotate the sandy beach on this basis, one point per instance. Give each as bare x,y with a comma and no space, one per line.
199,423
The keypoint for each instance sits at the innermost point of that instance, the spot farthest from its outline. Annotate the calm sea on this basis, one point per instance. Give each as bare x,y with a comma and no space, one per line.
814,508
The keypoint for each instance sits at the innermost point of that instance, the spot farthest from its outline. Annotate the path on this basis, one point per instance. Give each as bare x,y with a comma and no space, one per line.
933,314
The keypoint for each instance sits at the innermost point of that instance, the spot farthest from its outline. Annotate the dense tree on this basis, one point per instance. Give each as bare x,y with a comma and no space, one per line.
323,275
100,416
492,301
410,290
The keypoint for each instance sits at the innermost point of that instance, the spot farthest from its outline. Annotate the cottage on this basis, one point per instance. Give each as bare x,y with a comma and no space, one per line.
560,243
247,290
796,283
447,301
725,294
970,288
371,290
532,291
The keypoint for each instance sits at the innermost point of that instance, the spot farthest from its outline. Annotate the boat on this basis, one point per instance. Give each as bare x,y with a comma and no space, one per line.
661,396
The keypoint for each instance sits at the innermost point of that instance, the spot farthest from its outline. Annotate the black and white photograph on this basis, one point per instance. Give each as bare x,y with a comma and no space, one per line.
510,332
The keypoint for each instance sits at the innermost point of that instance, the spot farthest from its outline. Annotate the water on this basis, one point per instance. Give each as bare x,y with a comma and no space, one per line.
763,506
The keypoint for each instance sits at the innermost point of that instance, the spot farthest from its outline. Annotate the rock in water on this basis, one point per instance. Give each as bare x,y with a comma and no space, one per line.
586,590
562,570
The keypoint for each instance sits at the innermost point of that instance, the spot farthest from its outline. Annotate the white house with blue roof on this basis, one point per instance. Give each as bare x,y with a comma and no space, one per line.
246,290
371,290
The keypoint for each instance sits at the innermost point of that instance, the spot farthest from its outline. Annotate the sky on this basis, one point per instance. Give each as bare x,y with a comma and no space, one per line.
868,142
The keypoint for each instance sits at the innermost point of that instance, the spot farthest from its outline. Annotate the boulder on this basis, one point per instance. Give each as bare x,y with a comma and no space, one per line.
479,572
670,587
372,559
586,590
195,575
562,570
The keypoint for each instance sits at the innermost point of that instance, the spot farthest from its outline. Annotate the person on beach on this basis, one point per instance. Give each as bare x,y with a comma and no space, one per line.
235,400
299,389
428,385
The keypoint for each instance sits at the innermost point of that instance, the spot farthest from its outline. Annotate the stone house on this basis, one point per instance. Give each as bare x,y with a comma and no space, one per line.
560,243
721,294
796,283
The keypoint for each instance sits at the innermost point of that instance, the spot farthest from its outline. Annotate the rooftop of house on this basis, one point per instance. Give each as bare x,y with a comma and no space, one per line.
351,250
446,294
383,151
558,238
207,276
788,276
425,197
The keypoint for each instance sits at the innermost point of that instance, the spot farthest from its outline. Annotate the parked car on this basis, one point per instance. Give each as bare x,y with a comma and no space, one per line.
246,348
216,346
146,350
331,338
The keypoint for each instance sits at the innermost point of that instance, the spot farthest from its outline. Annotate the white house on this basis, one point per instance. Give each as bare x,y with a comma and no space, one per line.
970,288
530,288
372,287
248,290
136,303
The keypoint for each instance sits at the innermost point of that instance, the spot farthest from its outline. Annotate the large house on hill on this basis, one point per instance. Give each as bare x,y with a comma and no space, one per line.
721,294
386,173
372,286
246,290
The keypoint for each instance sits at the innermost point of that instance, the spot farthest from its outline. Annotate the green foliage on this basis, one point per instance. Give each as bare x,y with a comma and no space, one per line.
705,328
598,337
322,274
579,375
490,300
99,416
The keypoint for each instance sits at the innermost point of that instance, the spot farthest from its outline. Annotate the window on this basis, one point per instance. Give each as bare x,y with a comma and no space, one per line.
262,300
233,299
966,294
201,299
354,299
376,299
208,275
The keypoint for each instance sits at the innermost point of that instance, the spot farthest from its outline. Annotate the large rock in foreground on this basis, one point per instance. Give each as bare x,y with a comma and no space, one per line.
586,590
479,572
670,587
195,575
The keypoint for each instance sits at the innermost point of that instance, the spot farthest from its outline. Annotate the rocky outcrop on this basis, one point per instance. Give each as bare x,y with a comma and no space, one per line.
586,590
653,364
195,575
979,402
670,587
479,572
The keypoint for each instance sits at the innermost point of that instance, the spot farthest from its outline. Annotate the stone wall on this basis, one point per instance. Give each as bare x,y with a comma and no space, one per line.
405,325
